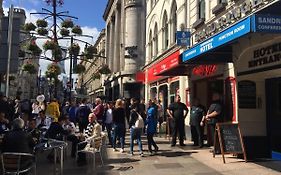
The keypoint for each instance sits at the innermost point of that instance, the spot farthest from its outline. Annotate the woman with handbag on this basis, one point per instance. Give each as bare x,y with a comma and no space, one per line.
136,125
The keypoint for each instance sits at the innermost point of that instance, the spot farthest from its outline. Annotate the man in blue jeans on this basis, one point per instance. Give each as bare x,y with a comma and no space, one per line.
135,132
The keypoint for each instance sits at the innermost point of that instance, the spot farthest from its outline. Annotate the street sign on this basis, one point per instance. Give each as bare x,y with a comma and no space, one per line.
183,38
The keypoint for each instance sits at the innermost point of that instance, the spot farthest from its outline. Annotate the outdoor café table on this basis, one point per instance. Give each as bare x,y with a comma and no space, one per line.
55,145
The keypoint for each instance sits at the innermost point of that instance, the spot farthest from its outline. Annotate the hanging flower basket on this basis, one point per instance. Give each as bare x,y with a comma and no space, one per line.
57,54
30,68
68,23
104,69
29,27
21,53
42,31
74,49
96,76
41,23
33,47
53,69
50,45
77,30
79,69
64,32
90,51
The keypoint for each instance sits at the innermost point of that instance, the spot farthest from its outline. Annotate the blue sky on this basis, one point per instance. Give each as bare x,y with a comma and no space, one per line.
89,12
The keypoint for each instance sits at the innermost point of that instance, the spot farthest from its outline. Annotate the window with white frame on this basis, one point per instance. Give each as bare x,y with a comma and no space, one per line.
173,21
201,9
155,40
150,45
165,31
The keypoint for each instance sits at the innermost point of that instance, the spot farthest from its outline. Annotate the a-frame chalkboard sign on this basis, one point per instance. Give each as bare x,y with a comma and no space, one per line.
229,139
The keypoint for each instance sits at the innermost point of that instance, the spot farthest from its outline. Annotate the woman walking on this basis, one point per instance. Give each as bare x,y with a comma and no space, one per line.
151,122
118,118
136,127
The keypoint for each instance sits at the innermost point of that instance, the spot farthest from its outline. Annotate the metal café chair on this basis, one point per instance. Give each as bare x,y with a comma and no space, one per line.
94,145
18,163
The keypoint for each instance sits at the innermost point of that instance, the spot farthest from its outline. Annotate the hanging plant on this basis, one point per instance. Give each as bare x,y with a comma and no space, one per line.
21,53
96,76
42,31
90,51
29,27
53,69
74,49
33,47
104,69
68,23
77,30
57,53
79,69
41,23
64,32
30,68
50,45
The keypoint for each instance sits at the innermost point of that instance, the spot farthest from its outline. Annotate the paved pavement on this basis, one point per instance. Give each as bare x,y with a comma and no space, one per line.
169,161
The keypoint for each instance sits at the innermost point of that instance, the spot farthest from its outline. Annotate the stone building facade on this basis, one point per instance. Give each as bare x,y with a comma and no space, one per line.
125,47
92,84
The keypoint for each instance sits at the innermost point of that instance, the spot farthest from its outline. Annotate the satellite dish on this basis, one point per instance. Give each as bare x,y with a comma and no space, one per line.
40,98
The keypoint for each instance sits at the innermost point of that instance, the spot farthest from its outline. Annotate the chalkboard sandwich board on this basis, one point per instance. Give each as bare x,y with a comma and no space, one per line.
230,140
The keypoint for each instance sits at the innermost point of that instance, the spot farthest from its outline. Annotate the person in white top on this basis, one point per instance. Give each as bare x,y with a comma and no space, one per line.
108,120
35,109
69,126
42,121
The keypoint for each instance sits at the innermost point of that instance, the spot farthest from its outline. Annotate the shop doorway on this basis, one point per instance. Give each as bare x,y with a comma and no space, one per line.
163,97
273,108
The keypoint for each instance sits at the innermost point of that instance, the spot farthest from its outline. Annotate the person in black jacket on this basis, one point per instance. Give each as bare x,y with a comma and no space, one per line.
17,140
56,130
118,119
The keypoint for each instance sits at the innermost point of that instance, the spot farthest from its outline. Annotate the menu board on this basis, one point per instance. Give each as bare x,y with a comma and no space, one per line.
247,95
230,139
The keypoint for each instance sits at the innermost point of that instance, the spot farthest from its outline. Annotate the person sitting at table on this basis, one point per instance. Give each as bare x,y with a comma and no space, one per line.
4,123
93,131
42,121
56,131
17,140
33,131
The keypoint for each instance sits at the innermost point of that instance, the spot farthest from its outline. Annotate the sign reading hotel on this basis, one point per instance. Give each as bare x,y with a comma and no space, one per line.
229,34
183,38
235,14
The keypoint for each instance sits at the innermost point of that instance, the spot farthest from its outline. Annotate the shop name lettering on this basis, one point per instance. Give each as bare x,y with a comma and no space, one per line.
266,55
229,18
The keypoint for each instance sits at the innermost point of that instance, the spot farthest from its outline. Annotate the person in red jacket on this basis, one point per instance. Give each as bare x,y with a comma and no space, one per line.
99,110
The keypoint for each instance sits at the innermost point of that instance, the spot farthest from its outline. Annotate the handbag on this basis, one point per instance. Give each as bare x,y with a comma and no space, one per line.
139,122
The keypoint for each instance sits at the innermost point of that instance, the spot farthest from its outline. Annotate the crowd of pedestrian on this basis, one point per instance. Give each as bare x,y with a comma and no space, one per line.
81,121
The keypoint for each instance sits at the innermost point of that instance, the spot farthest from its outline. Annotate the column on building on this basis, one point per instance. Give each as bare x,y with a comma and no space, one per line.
117,40
132,30
108,46
111,45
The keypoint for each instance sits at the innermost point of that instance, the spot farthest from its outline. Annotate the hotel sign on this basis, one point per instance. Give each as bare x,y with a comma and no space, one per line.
224,37
232,16
267,24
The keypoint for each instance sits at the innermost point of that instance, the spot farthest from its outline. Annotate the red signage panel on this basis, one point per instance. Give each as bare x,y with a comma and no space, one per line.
162,66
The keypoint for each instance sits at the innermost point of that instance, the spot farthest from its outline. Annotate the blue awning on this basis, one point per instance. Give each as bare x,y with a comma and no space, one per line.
218,49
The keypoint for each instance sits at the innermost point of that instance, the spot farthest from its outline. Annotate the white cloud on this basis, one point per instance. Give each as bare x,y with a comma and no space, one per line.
91,31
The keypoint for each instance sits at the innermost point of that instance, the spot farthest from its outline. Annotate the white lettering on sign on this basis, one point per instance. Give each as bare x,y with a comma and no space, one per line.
190,53
269,20
206,47
230,17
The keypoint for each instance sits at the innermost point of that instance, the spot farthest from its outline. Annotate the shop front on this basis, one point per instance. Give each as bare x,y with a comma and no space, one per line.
163,88
242,63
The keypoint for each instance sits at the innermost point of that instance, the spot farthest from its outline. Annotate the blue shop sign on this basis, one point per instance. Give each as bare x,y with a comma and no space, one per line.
224,37
266,23
183,38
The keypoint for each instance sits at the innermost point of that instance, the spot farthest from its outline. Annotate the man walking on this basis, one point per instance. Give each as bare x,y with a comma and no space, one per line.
177,111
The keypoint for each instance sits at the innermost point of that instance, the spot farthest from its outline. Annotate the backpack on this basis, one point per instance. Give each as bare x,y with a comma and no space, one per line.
83,113
139,122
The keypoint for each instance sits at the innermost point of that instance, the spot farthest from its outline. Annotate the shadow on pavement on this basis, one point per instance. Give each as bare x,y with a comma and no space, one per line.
174,153
269,163
121,160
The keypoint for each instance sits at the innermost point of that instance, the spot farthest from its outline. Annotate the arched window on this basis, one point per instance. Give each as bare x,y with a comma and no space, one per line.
150,45
201,9
155,39
173,21
165,31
